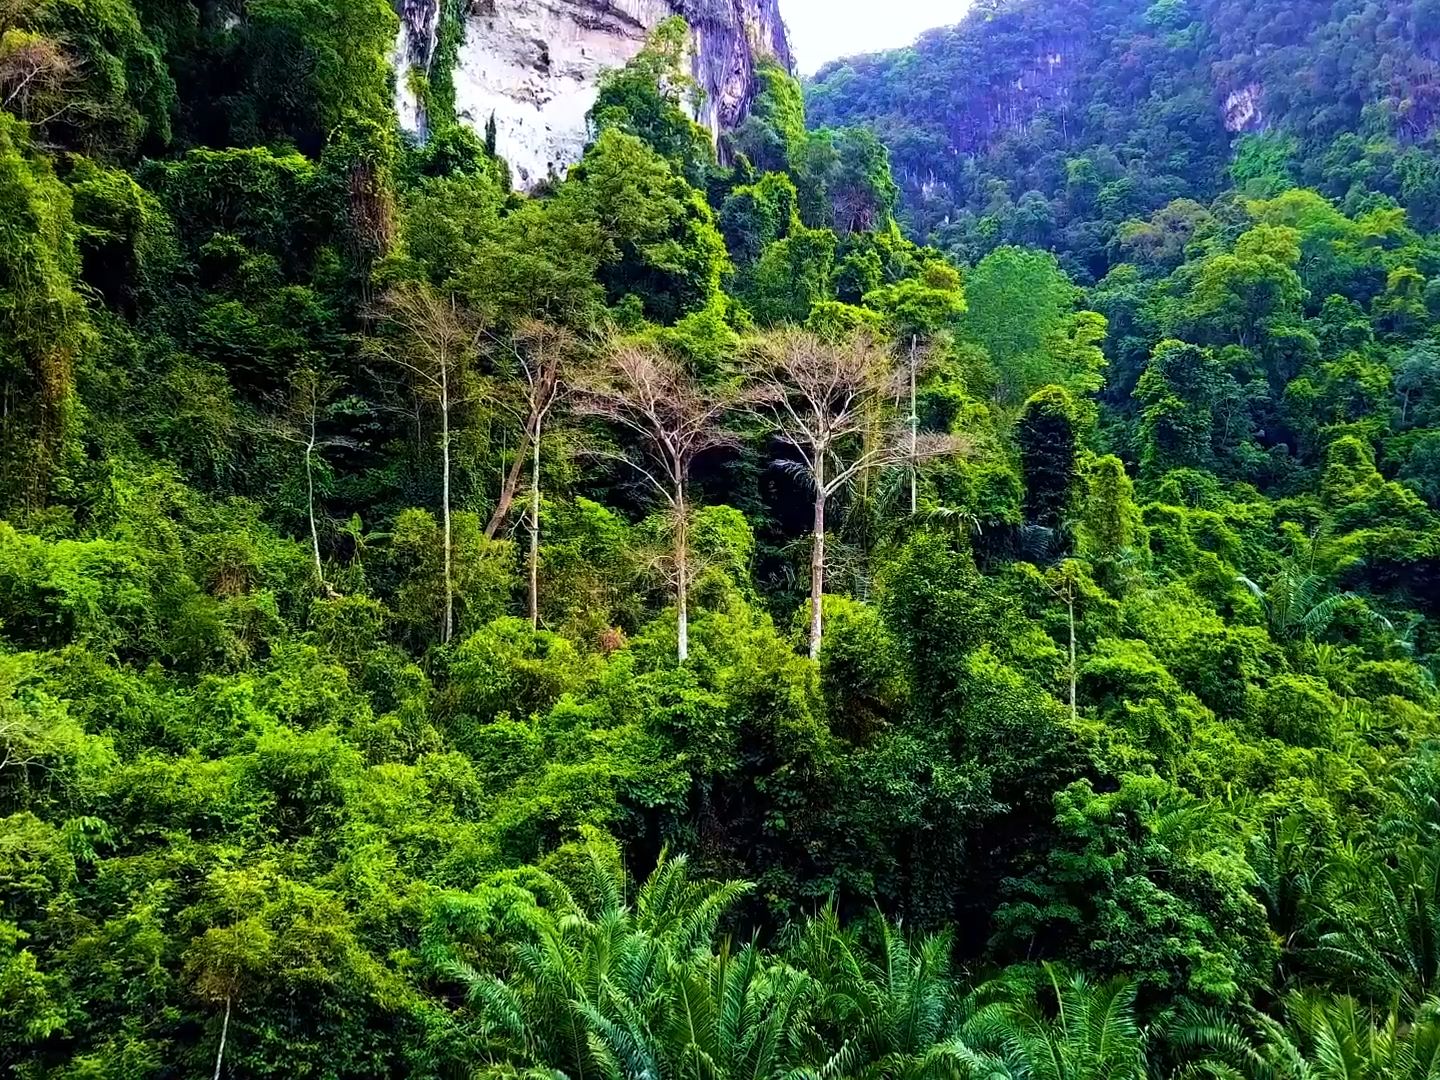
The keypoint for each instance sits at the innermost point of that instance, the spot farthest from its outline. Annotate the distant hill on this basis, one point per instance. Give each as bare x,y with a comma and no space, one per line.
1052,122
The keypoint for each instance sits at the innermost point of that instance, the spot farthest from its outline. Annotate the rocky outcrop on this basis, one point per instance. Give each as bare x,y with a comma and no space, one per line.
534,66
414,53
1243,111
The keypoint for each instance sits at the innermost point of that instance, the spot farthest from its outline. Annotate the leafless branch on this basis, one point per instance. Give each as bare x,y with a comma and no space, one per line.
640,391
824,400
36,74
541,352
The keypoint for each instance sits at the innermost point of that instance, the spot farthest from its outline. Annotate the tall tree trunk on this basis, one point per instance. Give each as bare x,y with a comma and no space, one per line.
535,535
1070,604
914,434
310,497
224,1031
510,487
448,626
817,565
682,569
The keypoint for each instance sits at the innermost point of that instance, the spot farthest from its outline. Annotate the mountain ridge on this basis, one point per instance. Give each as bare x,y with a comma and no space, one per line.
1017,90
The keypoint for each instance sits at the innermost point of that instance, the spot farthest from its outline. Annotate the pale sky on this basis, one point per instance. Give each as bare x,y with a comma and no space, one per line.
824,30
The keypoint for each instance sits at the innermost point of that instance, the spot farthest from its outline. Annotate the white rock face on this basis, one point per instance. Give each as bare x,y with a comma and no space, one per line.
1242,109
414,49
534,65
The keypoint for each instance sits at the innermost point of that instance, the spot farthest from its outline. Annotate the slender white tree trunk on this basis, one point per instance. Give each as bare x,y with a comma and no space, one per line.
508,488
448,627
914,435
224,1031
1074,709
817,563
535,533
310,495
682,570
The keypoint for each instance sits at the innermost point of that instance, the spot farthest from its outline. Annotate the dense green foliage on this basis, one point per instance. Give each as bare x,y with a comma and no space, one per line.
1094,127
406,583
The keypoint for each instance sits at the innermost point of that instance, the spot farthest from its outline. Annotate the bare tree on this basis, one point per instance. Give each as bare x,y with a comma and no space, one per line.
821,397
914,433
541,351
1064,584
21,738
36,73
645,393
299,420
437,340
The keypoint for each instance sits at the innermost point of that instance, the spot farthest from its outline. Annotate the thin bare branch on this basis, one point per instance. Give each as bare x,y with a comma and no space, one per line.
820,398
434,340
639,390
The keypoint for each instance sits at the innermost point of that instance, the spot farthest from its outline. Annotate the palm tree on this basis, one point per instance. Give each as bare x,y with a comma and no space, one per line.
1057,1027
892,1009
1289,875
1382,921
718,1017
1297,604
595,986
1324,1038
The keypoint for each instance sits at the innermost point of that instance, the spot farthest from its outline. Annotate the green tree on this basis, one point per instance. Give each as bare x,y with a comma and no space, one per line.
1179,391
1018,301
921,306
1049,455
1245,293
659,240
1179,919
653,98
42,322
773,136
754,216
794,274
1109,524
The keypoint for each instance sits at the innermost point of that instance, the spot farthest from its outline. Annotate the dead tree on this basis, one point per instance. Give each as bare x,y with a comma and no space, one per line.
435,343
299,420
541,351
644,393
820,398
38,75
1064,582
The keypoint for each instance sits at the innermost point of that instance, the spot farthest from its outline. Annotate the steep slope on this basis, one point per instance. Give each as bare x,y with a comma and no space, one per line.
344,695
1031,115
533,65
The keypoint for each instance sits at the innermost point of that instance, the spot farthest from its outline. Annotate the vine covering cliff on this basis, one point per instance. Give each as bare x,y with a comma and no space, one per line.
533,65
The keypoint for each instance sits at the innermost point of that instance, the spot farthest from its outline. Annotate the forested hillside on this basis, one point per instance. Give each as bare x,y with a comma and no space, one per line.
672,625
1059,123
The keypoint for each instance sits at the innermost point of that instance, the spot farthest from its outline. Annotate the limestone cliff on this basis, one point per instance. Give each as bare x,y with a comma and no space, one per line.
534,66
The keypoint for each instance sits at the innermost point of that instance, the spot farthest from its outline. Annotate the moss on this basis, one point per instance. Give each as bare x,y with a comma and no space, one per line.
439,102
